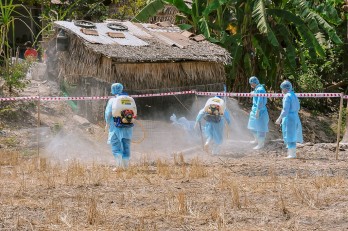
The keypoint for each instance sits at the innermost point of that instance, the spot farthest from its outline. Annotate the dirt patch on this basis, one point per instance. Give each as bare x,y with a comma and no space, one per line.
256,191
74,185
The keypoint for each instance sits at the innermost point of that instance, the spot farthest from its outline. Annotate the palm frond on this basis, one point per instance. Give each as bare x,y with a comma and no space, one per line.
149,11
321,38
289,51
261,53
180,5
260,15
204,27
214,5
327,28
316,19
306,35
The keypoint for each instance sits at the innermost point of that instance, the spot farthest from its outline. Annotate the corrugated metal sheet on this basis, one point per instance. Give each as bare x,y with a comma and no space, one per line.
136,30
169,35
177,38
103,38
161,29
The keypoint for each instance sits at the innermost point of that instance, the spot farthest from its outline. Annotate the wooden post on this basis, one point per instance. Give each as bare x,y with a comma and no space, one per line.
38,122
339,126
346,131
345,136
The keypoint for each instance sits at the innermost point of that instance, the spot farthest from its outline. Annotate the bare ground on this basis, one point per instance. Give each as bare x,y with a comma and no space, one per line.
240,189
258,191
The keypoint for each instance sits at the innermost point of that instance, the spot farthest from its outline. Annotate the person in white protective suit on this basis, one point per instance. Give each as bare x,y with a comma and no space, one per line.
188,126
215,115
120,127
290,120
258,118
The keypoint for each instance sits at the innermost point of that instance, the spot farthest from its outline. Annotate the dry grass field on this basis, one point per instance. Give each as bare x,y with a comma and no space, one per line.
260,191
189,190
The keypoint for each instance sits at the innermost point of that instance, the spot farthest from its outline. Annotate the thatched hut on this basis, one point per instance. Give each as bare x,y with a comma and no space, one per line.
141,56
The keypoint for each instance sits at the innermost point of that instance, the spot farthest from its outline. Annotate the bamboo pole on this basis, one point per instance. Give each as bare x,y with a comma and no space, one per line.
345,136
339,126
17,54
38,122
346,131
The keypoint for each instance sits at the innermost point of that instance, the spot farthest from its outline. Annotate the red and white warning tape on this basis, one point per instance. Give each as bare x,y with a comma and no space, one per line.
20,98
163,94
229,94
270,95
74,98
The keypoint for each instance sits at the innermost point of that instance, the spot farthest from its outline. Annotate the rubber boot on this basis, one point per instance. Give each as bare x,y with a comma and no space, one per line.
291,153
261,144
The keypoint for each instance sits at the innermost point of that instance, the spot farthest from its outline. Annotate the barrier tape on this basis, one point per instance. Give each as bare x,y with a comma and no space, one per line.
274,95
164,94
74,98
229,94
20,98
271,95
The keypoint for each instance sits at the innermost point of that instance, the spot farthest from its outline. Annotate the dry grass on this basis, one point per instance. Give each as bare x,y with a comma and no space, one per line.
235,197
37,194
197,170
9,158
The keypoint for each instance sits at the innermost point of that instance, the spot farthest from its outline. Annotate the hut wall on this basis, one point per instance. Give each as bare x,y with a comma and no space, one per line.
152,108
93,110
81,62
93,73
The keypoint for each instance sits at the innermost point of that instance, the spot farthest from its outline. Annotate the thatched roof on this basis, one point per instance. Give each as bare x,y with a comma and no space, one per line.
147,43
145,56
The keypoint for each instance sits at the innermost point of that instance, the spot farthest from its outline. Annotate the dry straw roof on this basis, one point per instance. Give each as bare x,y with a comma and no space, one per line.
146,43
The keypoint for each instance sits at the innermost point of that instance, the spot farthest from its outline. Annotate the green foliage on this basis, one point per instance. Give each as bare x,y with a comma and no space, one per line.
264,37
260,16
89,10
310,81
12,72
56,128
15,77
10,142
7,22
128,11
149,10
53,13
320,77
6,111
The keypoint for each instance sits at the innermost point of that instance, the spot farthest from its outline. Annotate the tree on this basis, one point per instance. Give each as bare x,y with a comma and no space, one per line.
11,71
264,37
126,9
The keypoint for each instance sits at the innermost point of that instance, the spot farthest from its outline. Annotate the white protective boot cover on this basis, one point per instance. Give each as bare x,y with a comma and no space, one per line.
291,153
125,163
118,159
255,140
216,150
261,144
206,145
